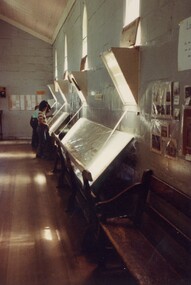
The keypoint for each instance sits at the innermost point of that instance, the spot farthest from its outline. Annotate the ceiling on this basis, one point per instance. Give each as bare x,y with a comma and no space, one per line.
41,18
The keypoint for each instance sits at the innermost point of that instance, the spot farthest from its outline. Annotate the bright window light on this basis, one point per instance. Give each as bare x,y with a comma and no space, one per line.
55,65
65,53
84,33
131,20
132,11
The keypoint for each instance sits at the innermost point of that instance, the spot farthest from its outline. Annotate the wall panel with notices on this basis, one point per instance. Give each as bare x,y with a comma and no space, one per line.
22,102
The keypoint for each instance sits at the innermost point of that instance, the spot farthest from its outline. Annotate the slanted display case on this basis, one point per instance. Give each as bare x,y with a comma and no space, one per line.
123,67
93,148
60,116
78,80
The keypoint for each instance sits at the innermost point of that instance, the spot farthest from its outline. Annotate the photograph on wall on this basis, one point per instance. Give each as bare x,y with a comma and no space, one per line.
176,93
156,143
162,99
164,130
2,92
176,113
160,136
171,148
187,94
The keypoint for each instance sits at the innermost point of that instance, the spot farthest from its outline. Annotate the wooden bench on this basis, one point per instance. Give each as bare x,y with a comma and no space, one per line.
149,227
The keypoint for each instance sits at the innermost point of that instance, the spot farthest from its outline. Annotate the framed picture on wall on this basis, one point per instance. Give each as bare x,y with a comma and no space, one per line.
156,143
2,91
162,100
156,139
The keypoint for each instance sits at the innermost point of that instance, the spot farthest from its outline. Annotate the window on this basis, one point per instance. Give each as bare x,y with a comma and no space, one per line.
84,63
65,57
55,65
131,33
132,11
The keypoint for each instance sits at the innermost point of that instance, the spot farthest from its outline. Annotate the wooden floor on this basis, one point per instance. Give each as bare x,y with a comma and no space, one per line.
40,244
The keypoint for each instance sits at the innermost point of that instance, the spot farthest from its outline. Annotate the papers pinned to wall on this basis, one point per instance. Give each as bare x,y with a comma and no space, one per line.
22,102
184,45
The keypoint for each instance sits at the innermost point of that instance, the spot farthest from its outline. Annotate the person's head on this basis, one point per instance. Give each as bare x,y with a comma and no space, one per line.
43,105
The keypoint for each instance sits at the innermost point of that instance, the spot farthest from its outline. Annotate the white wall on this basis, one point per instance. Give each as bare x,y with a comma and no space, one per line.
25,67
158,54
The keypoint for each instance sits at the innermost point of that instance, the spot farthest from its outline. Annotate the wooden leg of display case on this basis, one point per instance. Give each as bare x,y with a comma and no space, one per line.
63,171
1,128
73,187
56,162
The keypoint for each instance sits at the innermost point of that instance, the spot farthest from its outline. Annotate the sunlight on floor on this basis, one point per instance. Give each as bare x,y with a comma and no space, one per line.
40,179
16,155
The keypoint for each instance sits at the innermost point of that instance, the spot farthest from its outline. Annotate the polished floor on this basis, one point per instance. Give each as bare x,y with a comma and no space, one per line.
40,243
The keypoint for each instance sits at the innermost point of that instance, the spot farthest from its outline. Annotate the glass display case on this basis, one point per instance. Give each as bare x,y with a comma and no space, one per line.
122,65
93,147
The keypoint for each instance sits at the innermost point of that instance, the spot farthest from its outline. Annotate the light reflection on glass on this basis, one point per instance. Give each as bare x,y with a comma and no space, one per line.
88,142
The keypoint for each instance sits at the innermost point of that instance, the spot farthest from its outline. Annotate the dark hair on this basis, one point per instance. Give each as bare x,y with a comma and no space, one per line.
43,104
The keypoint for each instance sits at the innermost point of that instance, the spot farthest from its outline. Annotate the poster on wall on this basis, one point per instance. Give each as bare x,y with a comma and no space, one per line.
22,102
14,102
30,101
184,45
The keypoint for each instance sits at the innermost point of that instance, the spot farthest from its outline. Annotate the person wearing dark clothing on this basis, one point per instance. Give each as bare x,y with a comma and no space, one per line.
42,129
34,125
